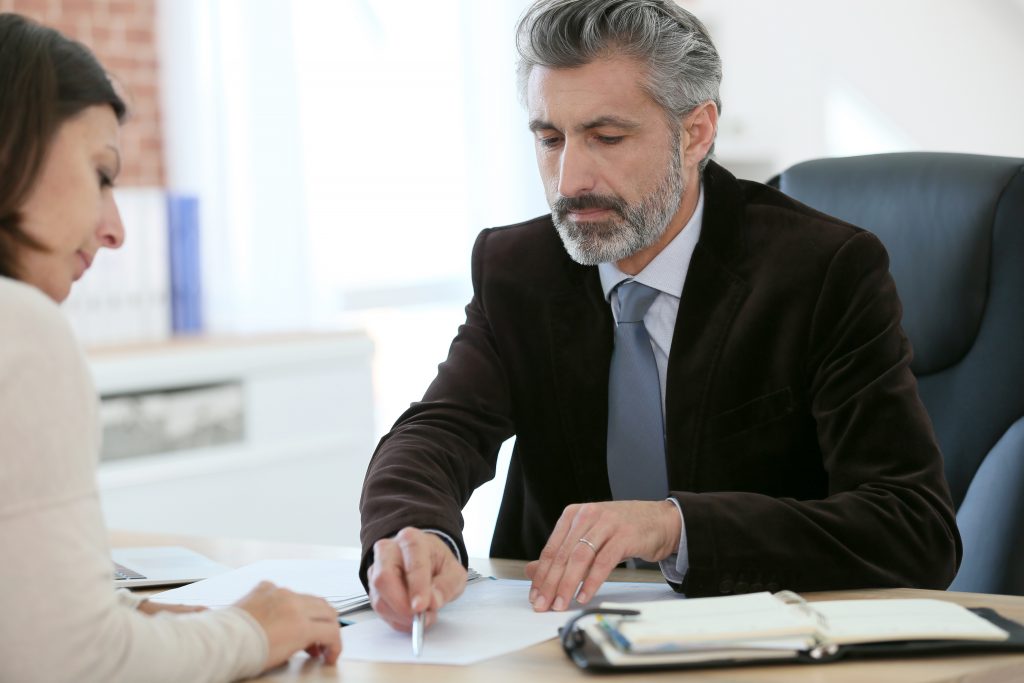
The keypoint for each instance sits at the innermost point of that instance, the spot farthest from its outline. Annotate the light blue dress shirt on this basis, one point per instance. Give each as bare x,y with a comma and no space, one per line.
666,273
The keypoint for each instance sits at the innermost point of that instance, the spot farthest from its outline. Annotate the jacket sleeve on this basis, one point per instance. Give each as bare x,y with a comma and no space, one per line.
445,446
887,519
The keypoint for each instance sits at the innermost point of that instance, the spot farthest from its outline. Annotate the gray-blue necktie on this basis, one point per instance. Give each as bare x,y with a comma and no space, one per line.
636,433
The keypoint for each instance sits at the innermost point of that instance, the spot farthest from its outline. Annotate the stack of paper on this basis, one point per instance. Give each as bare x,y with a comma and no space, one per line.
337,581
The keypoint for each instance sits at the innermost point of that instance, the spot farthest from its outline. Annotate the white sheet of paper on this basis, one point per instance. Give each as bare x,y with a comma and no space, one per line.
330,579
491,618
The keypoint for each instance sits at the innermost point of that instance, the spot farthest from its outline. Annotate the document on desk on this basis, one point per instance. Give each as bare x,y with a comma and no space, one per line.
492,617
337,581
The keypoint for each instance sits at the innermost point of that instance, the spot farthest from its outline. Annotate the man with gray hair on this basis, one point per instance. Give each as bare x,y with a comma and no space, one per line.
699,371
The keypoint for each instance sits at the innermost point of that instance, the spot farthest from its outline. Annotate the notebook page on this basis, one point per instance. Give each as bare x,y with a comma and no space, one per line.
735,651
872,621
715,620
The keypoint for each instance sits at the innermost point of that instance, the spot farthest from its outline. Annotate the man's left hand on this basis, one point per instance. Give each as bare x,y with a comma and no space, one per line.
588,542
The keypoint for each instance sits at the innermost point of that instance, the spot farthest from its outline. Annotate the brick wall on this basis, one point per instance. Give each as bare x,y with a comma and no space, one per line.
122,34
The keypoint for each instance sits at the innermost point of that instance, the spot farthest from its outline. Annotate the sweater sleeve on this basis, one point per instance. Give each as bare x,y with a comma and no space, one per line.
61,618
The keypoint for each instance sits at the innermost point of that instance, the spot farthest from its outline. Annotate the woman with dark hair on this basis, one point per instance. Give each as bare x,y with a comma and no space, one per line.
60,619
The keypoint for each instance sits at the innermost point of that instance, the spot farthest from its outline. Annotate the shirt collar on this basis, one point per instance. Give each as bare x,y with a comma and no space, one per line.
667,270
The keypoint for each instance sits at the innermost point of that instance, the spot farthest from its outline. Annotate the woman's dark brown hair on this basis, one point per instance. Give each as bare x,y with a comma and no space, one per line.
45,79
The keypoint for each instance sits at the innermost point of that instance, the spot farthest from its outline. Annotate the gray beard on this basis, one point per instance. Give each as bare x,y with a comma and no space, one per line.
641,225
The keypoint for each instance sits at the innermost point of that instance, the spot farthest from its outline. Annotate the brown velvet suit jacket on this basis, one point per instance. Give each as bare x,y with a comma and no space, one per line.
797,445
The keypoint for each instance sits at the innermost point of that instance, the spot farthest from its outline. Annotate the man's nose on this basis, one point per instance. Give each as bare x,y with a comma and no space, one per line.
576,171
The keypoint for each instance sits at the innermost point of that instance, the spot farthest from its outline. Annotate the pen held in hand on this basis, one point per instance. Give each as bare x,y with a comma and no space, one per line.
418,620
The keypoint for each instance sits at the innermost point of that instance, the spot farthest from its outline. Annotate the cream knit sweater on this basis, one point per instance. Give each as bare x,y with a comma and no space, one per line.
60,619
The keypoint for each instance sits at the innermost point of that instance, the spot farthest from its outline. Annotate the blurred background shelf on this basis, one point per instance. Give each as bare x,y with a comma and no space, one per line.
260,436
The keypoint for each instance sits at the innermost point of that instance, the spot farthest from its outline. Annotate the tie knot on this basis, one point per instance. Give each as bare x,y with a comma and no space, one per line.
634,300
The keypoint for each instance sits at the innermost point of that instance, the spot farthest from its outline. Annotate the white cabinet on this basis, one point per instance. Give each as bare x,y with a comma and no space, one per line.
292,465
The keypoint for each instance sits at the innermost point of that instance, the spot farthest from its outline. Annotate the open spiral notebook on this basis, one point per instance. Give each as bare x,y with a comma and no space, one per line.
761,628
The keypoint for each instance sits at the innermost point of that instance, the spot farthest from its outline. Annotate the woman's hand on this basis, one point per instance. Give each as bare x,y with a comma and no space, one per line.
293,622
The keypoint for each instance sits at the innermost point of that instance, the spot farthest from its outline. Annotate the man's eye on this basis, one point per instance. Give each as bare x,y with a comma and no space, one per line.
610,139
550,141
105,180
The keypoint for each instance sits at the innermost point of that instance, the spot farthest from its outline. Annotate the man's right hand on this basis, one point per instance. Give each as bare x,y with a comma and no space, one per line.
413,572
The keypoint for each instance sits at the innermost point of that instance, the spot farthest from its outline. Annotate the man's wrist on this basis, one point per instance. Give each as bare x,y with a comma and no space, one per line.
675,566
448,541
672,524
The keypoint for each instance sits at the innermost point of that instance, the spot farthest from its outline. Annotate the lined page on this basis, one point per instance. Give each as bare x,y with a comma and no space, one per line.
712,620
873,621
760,650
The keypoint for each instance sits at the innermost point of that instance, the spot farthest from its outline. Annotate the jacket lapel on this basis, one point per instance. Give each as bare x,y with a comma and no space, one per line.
712,295
580,327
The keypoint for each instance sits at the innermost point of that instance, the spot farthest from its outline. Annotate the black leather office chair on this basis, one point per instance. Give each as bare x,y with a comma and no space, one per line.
954,228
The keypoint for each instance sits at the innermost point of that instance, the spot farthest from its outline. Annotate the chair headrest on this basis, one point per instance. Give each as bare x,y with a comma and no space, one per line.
935,213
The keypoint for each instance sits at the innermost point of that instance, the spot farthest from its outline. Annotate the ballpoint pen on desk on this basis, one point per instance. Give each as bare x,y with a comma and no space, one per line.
417,633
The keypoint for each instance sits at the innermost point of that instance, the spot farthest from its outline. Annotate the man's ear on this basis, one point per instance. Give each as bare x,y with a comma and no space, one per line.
699,127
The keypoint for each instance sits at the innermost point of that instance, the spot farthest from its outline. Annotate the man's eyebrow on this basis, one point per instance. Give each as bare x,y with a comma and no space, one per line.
614,121
599,122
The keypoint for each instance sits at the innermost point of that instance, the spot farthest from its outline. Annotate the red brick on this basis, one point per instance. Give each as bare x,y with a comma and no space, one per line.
37,9
139,36
117,64
102,34
122,34
40,10
127,7
77,7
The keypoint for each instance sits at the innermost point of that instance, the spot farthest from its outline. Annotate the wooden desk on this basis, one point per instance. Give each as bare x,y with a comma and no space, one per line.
546,662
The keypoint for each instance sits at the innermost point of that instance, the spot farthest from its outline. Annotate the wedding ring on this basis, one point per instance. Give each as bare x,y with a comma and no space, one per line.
589,543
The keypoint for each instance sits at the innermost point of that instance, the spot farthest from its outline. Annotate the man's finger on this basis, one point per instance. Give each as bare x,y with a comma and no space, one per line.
607,558
548,556
579,521
399,622
548,588
416,561
393,606
579,566
388,591
448,583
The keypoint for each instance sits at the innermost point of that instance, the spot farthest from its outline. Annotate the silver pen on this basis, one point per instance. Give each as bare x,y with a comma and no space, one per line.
417,633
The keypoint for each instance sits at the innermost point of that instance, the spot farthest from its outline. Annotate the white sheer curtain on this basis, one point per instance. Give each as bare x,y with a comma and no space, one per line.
345,152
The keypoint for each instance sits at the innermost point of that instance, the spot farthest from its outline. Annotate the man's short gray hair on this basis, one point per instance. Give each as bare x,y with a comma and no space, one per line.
684,69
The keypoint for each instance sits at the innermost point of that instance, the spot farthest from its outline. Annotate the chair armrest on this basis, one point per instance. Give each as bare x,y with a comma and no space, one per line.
991,521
